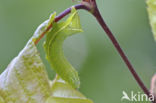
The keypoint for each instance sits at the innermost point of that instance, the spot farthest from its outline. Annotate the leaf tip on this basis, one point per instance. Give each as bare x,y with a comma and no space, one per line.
153,84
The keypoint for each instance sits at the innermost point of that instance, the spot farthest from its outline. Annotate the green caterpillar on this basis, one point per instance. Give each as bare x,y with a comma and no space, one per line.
54,50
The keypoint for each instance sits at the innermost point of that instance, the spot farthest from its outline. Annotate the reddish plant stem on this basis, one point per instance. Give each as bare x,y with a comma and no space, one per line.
117,46
67,11
100,20
119,49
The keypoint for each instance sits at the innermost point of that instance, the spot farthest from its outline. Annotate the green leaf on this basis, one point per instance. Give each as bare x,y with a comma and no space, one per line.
25,79
64,93
152,15
54,50
153,85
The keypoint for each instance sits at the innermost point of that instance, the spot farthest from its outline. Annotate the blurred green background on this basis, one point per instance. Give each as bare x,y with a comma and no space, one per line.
103,74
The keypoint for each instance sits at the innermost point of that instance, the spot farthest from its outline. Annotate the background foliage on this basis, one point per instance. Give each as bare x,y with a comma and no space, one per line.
103,74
